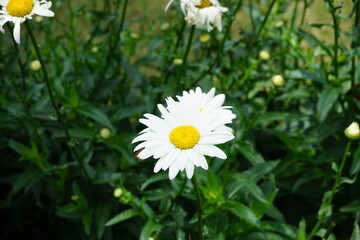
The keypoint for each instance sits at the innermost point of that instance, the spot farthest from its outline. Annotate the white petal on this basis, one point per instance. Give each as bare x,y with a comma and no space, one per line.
140,146
189,169
183,159
162,150
144,154
210,150
17,32
173,170
198,159
169,159
43,12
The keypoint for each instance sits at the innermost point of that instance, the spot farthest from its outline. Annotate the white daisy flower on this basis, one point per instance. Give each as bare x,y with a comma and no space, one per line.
186,132
17,11
202,12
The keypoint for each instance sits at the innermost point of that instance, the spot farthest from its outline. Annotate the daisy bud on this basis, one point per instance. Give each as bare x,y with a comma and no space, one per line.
278,80
353,131
38,19
74,197
177,61
35,65
118,192
134,35
151,238
94,49
264,55
105,133
165,26
204,38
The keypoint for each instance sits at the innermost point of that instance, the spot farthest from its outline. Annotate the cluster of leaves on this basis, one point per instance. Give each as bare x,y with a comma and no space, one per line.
107,67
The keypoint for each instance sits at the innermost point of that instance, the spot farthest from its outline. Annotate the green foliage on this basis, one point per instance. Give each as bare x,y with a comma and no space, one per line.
68,170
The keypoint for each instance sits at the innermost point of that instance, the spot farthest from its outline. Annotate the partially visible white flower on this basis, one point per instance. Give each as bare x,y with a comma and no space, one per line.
202,12
18,11
186,132
353,131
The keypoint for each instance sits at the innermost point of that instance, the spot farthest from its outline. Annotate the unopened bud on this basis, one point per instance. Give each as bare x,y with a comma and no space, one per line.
35,65
264,55
105,133
165,26
278,80
177,61
118,192
204,38
353,131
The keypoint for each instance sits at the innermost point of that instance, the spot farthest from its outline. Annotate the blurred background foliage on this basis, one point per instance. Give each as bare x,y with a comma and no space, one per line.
109,62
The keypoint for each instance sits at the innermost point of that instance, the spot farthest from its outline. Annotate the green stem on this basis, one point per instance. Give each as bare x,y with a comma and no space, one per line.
184,59
52,99
329,231
111,51
73,41
177,44
21,65
333,190
199,206
336,37
219,51
355,43
257,35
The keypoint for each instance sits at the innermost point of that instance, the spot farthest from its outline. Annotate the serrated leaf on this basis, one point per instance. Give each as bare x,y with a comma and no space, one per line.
242,212
327,99
125,215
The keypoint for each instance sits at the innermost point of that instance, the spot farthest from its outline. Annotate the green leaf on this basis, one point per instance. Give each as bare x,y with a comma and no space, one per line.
242,212
26,179
250,153
301,235
279,116
281,228
355,165
327,99
102,213
149,228
356,232
87,221
94,113
154,178
249,185
127,214
302,74
258,171
351,207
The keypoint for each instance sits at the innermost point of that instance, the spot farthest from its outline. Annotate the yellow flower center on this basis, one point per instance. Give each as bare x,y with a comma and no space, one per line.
184,137
20,8
204,4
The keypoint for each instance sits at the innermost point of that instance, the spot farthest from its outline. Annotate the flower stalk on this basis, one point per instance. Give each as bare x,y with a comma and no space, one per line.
52,99
184,59
199,206
334,189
